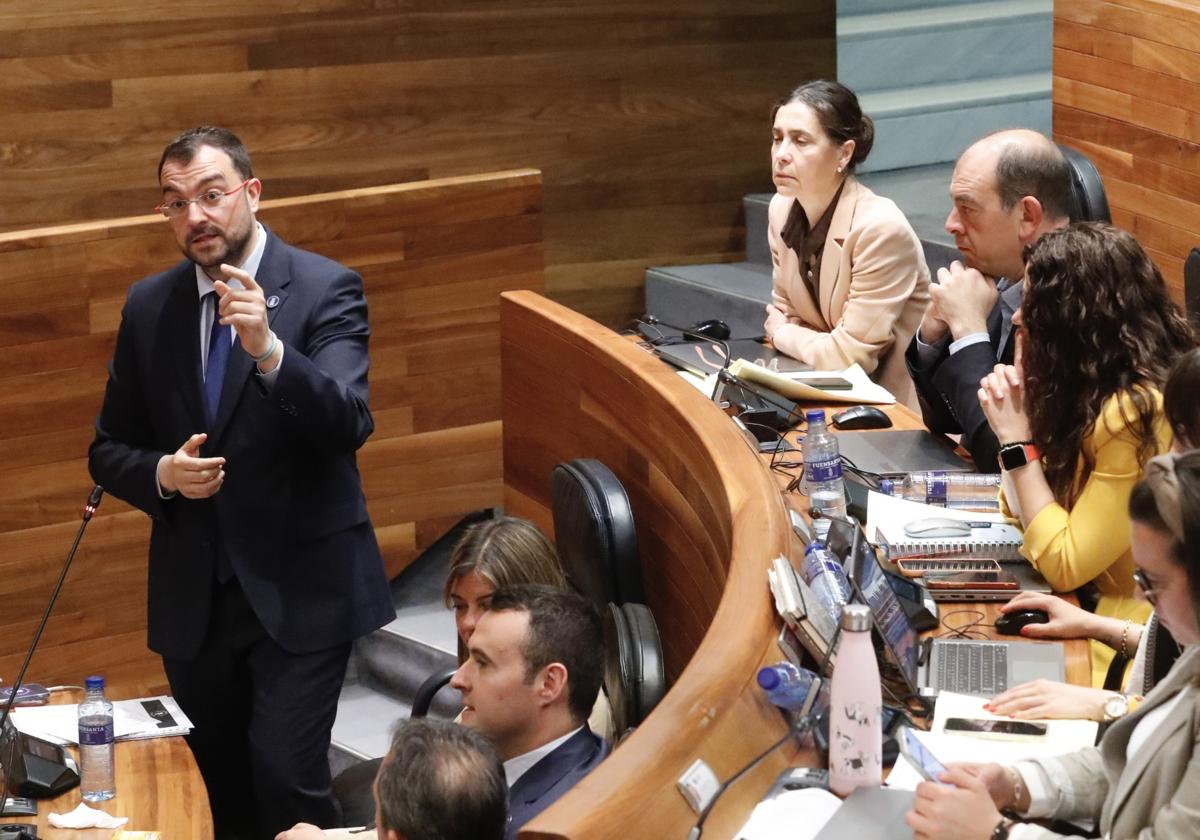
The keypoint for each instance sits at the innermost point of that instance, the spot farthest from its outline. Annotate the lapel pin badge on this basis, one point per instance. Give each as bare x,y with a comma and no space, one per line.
272,301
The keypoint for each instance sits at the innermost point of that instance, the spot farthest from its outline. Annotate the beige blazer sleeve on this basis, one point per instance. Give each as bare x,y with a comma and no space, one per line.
872,292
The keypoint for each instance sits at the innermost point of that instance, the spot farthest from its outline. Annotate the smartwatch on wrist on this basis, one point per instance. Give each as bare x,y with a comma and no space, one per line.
1016,455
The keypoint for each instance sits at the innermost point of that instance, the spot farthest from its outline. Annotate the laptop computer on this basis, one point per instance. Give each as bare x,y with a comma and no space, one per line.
704,357
893,454
979,668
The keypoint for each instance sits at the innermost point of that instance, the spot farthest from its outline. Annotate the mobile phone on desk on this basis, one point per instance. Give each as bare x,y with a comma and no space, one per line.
919,755
999,579
996,728
827,383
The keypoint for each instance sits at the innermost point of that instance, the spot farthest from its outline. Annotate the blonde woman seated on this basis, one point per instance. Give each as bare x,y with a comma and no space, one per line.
1143,780
1081,412
850,284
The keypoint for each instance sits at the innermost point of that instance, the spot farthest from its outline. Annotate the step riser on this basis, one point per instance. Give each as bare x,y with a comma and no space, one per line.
687,303
940,136
846,8
882,61
758,249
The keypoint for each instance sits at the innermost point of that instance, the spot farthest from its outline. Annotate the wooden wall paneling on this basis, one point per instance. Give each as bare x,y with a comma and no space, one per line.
709,518
647,118
434,255
1127,93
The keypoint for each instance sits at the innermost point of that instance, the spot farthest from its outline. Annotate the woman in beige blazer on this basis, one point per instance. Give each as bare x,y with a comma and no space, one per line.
850,280
1143,781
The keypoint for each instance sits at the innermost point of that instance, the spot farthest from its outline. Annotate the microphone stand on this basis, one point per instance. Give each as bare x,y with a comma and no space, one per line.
89,508
653,321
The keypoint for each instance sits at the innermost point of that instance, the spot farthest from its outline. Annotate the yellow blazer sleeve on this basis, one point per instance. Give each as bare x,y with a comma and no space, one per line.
886,269
1071,548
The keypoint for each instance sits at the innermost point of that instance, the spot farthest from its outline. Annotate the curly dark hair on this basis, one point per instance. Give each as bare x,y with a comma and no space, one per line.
1098,322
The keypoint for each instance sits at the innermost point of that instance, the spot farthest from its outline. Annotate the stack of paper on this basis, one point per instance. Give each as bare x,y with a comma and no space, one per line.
149,717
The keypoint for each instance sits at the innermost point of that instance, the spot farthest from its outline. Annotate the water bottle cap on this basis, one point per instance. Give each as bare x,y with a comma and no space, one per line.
768,678
887,487
856,618
94,683
815,415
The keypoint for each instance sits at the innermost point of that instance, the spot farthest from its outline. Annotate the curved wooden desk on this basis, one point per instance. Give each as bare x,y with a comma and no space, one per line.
159,788
710,519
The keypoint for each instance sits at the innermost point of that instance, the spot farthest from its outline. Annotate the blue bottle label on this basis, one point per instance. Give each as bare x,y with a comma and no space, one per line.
93,735
936,489
824,470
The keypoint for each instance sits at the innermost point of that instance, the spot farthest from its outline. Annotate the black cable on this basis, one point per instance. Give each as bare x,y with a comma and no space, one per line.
965,631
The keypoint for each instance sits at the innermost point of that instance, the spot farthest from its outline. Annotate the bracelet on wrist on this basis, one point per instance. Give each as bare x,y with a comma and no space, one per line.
258,360
1125,639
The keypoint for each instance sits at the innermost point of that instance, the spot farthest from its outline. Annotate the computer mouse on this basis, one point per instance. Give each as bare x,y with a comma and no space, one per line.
939,527
861,417
713,328
1010,624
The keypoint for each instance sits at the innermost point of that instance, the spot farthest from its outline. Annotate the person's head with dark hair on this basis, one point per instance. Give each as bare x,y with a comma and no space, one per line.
1007,190
535,667
1165,509
210,196
819,135
1181,401
1097,322
490,555
440,781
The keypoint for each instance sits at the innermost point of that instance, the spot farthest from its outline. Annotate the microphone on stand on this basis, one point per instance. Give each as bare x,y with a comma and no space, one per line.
27,768
723,346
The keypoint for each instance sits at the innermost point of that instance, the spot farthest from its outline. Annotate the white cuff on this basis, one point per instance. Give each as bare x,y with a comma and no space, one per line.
1041,798
968,340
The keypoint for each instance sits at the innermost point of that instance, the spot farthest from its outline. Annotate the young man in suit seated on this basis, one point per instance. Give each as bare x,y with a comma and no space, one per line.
1007,190
439,781
535,667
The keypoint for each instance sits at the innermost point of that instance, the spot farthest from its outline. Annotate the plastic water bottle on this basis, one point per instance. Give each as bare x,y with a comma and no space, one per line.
826,578
96,760
855,728
977,491
823,468
788,686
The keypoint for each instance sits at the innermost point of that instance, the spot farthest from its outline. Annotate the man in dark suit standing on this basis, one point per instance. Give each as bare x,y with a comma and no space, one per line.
1007,189
235,403
535,667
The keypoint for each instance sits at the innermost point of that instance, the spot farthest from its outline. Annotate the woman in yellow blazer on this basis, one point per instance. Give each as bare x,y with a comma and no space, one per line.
1097,335
850,282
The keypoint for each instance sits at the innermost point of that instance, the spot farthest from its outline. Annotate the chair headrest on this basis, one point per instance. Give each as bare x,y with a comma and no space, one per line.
1089,202
595,533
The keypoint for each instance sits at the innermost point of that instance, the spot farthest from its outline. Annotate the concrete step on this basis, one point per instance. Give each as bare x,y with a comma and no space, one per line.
934,123
756,208
734,292
947,43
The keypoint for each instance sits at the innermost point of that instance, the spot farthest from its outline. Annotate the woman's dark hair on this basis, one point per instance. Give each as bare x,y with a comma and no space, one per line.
1181,399
840,115
1098,323
1143,508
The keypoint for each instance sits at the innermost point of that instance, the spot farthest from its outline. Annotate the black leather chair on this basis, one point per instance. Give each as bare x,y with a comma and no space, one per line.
594,532
1191,286
1089,203
634,677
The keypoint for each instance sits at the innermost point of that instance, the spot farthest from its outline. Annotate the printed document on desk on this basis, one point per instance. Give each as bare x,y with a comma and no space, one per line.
792,385
133,720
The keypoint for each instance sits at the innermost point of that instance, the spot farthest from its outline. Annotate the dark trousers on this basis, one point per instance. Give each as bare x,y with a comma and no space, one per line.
261,721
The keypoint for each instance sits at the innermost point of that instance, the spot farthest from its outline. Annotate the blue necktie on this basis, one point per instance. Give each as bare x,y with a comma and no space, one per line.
218,356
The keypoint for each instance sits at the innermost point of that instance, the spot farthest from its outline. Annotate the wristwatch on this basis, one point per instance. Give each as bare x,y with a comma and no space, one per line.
1000,832
1016,455
1116,706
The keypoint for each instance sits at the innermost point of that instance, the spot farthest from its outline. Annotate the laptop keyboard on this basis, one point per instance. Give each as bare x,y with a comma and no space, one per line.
972,668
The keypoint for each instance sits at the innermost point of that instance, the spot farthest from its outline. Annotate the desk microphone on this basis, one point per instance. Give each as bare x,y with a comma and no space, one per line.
33,773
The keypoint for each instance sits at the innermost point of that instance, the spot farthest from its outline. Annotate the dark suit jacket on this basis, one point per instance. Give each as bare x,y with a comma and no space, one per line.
290,518
948,390
553,776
